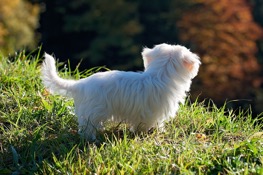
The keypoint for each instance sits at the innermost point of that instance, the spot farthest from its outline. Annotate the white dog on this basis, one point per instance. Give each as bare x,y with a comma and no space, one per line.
140,99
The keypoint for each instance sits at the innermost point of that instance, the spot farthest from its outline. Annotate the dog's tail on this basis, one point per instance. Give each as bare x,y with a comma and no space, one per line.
52,81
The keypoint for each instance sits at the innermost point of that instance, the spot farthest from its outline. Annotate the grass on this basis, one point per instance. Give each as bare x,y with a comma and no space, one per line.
38,135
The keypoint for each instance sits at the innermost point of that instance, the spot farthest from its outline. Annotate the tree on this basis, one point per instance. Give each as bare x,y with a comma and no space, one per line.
224,34
18,22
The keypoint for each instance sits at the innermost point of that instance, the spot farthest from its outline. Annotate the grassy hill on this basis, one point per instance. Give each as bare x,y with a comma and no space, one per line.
38,135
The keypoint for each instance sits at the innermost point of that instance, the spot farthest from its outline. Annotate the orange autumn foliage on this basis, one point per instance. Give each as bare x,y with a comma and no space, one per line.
224,34
18,22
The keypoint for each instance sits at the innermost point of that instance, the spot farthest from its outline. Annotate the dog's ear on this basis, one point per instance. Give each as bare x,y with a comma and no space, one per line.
147,59
146,51
189,65
189,61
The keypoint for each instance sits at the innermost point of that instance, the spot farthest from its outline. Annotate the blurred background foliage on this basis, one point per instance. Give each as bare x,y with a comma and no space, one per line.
228,36
18,22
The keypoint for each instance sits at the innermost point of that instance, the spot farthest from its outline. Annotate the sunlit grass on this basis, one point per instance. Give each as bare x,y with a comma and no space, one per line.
38,135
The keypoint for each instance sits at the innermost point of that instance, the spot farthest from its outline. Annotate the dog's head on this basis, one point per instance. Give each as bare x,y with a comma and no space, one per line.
176,56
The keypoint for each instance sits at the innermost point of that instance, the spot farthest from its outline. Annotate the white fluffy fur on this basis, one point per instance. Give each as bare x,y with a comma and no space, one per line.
140,99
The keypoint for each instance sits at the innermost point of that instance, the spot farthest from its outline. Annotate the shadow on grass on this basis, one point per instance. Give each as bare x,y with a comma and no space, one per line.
27,154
